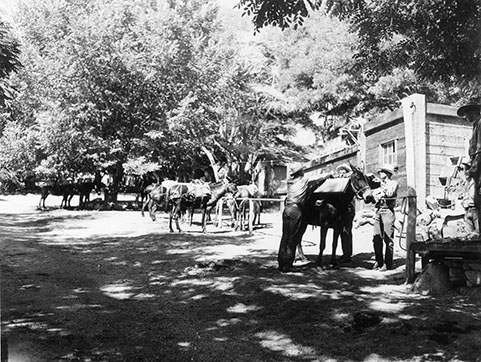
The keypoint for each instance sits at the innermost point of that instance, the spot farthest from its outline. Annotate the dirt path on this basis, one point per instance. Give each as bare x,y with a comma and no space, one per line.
113,286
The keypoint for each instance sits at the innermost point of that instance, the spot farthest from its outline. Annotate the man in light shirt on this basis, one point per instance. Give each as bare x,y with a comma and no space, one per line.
470,211
383,229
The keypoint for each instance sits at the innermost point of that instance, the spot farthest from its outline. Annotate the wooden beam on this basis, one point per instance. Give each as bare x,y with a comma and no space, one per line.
411,236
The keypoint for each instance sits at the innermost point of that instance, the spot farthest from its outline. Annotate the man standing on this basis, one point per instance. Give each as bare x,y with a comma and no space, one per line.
294,223
383,230
470,212
344,171
472,113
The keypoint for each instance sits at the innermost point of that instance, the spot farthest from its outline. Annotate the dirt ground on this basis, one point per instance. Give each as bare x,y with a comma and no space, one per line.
114,286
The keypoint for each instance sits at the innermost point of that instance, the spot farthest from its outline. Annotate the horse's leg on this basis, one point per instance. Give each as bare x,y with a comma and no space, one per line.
335,238
152,209
143,200
204,221
243,216
191,216
40,201
143,205
44,198
322,245
70,199
171,216
178,212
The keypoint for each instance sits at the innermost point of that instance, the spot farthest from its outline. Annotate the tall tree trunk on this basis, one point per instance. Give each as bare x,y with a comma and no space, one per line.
212,163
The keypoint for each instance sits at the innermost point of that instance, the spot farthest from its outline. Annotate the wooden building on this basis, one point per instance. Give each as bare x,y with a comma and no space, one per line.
271,178
423,140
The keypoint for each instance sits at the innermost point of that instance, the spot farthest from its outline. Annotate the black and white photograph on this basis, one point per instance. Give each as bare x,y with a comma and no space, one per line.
240,180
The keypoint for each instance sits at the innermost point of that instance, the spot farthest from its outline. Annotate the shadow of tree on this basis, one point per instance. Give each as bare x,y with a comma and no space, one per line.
177,296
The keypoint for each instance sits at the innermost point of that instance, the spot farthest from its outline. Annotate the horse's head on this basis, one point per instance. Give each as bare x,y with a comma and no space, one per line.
360,185
231,188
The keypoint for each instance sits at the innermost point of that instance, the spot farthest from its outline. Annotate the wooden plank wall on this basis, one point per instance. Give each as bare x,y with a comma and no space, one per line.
445,137
373,143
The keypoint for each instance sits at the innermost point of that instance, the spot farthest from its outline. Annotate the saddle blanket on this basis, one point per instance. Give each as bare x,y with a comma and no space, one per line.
333,185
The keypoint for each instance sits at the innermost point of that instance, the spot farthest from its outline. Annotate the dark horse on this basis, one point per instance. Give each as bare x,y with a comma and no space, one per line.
85,188
190,196
156,199
66,190
335,210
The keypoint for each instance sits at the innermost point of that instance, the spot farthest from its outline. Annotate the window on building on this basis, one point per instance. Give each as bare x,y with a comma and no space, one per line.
388,153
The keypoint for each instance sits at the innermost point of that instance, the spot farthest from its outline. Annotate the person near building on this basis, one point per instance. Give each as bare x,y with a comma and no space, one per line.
294,224
470,211
344,171
383,229
472,113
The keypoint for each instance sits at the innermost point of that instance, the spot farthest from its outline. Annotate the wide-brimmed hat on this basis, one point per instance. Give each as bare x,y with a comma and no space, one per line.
468,107
297,169
466,164
343,167
387,169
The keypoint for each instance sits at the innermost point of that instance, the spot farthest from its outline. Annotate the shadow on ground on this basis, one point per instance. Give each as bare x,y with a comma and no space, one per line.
218,296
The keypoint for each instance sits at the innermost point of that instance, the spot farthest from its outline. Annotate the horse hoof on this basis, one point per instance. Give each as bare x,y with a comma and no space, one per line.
287,269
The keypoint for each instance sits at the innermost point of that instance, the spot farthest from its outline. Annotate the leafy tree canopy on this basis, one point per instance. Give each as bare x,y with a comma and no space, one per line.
118,85
439,40
9,60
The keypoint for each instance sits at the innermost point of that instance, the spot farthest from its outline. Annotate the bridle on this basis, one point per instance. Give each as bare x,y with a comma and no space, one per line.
358,193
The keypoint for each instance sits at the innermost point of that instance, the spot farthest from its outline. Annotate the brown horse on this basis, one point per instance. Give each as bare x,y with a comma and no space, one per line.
184,196
336,211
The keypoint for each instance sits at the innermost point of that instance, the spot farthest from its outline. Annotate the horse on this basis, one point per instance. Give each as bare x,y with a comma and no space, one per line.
336,211
139,185
66,190
156,198
239,205
203,196
85,188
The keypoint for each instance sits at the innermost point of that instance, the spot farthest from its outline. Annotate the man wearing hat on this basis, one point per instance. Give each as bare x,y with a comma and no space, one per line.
299,188
470,212
383,229
345,171
472,113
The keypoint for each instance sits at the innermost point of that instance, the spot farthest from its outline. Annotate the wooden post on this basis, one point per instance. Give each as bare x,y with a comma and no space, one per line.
251,217
411,236
414,116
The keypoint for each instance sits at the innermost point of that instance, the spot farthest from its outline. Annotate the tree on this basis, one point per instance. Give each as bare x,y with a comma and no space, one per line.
9,61
438,40
116,84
